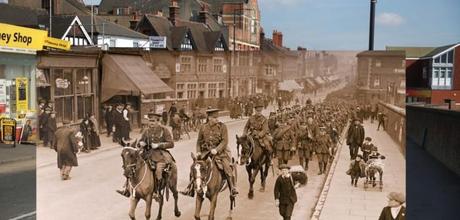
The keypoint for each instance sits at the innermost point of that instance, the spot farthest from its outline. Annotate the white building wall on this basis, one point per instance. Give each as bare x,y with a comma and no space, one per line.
122,41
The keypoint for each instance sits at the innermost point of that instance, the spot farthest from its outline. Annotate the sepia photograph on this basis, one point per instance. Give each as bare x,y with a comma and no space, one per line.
229,109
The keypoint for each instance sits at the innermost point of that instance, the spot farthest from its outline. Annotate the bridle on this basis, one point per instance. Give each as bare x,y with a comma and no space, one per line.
249,144
133,167
199,179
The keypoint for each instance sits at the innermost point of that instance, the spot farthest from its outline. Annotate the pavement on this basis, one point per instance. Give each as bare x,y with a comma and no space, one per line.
21,152
434,190
342,201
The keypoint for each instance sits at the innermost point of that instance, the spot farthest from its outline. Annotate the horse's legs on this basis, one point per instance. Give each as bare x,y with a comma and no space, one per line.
173,188
148,206
212,208
199,202
251,182
132,208
160,208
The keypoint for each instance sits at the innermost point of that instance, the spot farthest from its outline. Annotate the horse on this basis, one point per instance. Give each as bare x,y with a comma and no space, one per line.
208,182
255,159
141,182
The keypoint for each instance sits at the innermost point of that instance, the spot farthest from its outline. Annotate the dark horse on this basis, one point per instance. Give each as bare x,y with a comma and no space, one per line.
208,182
141,182
254,157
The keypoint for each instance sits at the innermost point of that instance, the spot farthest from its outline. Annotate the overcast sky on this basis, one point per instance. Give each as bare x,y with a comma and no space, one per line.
344,24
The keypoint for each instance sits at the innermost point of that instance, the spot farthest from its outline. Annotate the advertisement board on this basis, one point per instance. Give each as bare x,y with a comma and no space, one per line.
22,95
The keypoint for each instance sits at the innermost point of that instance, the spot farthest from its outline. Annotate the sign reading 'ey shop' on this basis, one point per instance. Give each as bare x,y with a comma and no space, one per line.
20,37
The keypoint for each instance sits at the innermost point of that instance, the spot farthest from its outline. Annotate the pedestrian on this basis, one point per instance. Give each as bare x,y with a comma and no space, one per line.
118,123
356,170
51,128
285,194
94,135
108,117
176,123
172,111
355,137
366,148
26,131
395,209
381,118
67,144
86,129
126,122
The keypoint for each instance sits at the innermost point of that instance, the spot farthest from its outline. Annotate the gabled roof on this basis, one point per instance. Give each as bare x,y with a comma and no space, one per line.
423,52
211,38
102,26
60,24
20,16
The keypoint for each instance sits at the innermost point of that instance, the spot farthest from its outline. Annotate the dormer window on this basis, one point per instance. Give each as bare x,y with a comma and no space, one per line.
219,45
186,43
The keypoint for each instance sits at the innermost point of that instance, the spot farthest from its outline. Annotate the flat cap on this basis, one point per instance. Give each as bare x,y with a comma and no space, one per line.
284,166
396,196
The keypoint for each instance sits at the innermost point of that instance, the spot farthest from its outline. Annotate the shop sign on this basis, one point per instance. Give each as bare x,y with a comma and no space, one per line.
62,83
28,38
20,37
22,92
157,42
8,126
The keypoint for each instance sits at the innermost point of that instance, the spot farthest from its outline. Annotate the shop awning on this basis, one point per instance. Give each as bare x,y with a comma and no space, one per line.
289,85
129,75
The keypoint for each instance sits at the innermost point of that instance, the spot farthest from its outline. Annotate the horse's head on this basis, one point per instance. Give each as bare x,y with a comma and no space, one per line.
247,148
200,173
131,158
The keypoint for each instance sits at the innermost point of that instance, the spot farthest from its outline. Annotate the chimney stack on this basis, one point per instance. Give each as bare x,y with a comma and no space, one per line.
371,25
173,12
278,38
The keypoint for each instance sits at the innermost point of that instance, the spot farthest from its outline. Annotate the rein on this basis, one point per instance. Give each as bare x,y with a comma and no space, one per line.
140,182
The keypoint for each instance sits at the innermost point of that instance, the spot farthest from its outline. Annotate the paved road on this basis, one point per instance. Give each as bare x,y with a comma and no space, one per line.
17,190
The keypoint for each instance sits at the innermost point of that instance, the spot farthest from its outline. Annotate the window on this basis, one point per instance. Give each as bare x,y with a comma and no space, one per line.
219,45
221,85
444,58
451,57
186,43
218,63
377,82
269,70
191,90
185,64
202,86
437,60
212,92
180,95
112,43
202,64
135,44
180,86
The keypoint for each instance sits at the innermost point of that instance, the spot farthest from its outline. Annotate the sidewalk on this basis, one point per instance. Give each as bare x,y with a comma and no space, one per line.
9,154
343,201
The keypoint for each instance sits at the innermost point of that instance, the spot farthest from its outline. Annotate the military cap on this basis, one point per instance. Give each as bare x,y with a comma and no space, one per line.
368,139
284,166
212,111
399,197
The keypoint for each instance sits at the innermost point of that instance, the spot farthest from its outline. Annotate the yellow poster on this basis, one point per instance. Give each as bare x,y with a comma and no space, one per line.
20,37
22,95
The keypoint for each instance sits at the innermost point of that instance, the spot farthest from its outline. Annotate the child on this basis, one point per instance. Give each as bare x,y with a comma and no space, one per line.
366,148
356,170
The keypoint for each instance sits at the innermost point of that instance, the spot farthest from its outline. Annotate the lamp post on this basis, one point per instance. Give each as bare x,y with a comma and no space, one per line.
234,47
84,82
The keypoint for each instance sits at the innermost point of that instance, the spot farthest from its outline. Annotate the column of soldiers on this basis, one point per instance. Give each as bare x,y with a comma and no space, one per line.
244,106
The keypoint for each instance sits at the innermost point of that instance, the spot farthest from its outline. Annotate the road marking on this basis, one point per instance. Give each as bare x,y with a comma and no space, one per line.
24,216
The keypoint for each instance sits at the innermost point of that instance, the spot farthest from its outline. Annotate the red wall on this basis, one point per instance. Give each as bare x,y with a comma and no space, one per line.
456,73
438,96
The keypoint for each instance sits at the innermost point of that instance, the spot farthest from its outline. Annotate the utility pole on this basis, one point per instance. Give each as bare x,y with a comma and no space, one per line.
372,25
51,15
92,18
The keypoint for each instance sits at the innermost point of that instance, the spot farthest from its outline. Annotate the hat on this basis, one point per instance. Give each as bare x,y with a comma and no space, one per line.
213,111
399,197
368,139
284,166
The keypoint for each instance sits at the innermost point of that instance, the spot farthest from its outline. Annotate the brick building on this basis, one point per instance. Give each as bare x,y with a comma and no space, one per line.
433,73
381,76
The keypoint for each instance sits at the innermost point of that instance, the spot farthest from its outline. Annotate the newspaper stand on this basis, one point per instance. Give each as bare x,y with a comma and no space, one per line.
8,131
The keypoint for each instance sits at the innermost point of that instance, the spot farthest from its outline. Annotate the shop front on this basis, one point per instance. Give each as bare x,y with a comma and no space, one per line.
71,83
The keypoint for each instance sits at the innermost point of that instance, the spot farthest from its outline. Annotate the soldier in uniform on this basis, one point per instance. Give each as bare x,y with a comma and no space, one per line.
213,140
155,142
323,149
307,136
284,142
257,127
272,122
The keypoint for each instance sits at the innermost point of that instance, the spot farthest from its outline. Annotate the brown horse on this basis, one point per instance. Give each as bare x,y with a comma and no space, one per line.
208,182
253,156
141,182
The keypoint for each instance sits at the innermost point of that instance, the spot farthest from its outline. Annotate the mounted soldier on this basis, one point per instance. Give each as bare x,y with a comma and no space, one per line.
213,140
154,143
257,128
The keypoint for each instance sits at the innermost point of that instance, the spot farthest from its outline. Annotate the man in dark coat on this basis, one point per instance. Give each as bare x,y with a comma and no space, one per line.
381,118
51,128
395,209
355,138
285,194
118,123
108,117
67,145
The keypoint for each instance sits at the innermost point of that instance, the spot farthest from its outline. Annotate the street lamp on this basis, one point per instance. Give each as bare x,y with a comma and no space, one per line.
84,82
234,46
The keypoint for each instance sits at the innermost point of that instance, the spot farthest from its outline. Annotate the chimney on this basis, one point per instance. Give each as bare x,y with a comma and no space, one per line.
202,17
56,7
173,12
371,25
278,38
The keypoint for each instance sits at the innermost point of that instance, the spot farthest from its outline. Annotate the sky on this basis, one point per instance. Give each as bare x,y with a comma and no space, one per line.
344,24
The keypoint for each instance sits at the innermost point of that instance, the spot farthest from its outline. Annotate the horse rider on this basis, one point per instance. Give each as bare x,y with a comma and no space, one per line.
155,141
213,139
257,127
